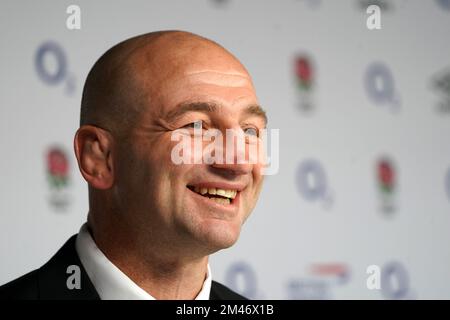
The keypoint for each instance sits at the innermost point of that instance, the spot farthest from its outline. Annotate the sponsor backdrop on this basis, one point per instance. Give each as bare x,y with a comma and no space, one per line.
364,175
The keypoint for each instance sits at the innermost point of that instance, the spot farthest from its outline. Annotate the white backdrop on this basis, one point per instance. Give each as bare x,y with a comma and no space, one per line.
367,95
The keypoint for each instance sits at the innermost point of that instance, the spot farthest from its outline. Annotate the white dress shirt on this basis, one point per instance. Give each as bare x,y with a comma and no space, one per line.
109,281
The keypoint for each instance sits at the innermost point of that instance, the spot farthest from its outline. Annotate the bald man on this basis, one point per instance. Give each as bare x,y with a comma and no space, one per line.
152,223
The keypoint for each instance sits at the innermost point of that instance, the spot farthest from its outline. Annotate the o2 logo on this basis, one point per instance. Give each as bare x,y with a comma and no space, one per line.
380,86
395,281
241,278
444,4
51,66
312,182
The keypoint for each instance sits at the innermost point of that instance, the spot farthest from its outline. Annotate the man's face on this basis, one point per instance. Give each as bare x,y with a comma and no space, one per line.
176,202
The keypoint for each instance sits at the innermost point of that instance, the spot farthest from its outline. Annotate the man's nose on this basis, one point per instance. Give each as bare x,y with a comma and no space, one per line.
235,154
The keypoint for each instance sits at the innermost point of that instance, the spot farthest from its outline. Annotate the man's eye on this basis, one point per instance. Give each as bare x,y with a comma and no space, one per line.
251,131
195,125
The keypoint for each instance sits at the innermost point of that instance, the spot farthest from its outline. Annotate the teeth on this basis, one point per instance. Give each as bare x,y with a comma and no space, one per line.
221,192
231,194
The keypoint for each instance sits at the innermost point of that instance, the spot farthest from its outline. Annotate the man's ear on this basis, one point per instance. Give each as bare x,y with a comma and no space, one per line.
93,149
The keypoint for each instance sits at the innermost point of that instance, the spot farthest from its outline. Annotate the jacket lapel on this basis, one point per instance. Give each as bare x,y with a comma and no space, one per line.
53,276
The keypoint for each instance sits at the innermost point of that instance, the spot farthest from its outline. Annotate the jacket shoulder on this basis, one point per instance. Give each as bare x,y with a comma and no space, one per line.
50,281
221,292
25,288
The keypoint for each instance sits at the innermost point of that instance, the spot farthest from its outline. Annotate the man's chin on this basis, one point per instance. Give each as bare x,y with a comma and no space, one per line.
220,235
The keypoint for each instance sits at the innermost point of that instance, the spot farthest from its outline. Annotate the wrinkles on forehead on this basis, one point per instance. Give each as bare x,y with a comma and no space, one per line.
161,61
162,65
220,78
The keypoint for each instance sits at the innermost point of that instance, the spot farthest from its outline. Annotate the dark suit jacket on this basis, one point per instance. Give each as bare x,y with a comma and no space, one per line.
49,281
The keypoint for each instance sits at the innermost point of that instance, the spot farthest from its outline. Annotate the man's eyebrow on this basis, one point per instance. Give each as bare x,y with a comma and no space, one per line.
184,107
209,107
256,110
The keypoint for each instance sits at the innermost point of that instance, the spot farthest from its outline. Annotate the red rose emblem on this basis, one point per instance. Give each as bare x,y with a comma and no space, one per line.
57,163
385,173
303,69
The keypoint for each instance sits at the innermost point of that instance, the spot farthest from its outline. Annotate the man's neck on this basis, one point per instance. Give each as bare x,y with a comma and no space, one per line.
160,275
166,280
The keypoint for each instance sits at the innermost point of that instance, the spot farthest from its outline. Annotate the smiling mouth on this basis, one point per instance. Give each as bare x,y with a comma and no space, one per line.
221,196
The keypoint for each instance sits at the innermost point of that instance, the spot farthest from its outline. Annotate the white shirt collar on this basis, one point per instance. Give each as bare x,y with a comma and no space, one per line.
109,281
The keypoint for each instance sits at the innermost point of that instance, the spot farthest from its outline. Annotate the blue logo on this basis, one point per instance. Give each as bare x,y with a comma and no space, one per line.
312,182
241,278
52,50
380,86
394,281
444,4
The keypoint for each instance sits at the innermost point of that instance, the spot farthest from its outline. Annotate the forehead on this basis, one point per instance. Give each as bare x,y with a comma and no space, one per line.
230,90
227,88
202,74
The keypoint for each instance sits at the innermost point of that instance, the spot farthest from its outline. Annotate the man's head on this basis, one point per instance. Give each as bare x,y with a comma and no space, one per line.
136,95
